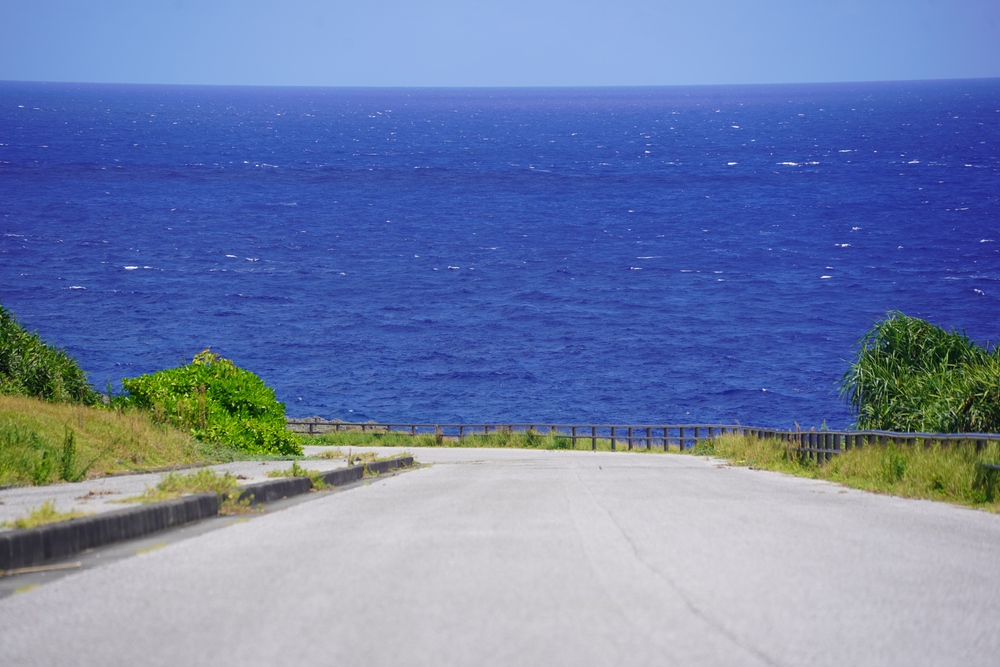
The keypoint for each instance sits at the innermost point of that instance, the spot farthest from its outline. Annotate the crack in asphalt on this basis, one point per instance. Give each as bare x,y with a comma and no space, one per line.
671,583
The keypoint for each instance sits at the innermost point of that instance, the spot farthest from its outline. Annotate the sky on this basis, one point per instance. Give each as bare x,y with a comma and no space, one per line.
430,43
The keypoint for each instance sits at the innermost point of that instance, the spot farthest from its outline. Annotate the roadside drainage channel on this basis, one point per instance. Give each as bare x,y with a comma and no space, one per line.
33,546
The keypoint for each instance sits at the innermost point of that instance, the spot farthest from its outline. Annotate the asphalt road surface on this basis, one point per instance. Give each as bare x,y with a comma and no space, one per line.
499,557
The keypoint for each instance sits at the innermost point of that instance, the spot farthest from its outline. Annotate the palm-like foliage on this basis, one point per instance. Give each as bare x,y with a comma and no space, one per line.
910,375
29,367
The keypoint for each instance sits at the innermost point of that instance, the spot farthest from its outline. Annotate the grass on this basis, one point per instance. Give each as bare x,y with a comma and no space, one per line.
46,513
174,485
952,474
515,440
358,458
43,442
298,471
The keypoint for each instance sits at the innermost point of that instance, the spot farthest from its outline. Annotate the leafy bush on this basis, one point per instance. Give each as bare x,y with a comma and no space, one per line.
218,403
29,367
910,375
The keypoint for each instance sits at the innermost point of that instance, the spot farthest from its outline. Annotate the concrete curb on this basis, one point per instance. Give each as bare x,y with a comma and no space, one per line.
25,548
33,546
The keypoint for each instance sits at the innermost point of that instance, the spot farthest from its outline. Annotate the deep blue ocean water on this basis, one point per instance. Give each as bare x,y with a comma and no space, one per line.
640,255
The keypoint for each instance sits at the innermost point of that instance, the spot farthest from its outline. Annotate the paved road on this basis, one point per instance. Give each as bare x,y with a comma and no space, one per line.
544,558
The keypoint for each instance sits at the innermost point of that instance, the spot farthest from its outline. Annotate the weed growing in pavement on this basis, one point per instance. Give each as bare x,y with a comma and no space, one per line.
46,513
357,458
206,480
315,477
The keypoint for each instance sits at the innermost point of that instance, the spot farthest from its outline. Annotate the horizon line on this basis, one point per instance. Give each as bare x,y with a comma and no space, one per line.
500,87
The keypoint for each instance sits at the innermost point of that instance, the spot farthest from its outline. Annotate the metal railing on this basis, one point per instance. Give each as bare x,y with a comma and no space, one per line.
817,445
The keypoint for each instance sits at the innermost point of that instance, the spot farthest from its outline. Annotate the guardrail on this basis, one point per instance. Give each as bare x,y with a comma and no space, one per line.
818,445
682,436
824,445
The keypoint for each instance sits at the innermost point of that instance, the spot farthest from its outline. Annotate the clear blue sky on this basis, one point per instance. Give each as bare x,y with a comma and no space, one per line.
496,42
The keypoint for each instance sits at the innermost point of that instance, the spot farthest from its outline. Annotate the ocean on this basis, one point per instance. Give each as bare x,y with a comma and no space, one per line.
605,255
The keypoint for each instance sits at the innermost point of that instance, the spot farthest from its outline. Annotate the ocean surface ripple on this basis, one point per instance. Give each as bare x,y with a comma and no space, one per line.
635,255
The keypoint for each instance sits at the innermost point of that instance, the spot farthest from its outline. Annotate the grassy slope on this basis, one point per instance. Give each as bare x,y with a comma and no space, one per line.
110,441
951,474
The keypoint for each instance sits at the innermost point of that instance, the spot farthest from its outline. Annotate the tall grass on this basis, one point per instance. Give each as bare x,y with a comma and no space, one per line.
909,375
952,474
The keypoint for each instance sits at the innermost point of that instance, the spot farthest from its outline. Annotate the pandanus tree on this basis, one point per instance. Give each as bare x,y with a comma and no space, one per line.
910,375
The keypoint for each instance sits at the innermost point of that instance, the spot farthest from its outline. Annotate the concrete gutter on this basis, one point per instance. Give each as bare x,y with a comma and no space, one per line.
33,546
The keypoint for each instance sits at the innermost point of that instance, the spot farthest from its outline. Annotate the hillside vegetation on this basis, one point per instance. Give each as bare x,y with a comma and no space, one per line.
55,427
43,442
30,367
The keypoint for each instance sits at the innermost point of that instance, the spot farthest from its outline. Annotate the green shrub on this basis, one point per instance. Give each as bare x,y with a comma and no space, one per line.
217,403
29,367
910,375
